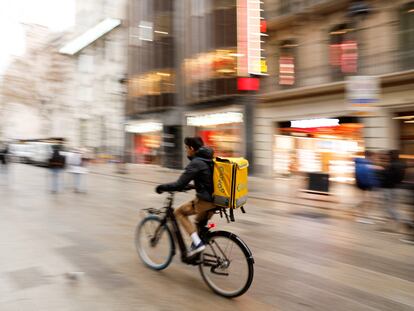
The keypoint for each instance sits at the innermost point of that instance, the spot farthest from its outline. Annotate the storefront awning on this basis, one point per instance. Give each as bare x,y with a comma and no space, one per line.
215,119
143,127
90,36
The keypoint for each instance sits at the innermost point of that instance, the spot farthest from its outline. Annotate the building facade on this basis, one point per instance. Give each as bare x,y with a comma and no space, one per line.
33,92
304,121
183,80
69,85
97,46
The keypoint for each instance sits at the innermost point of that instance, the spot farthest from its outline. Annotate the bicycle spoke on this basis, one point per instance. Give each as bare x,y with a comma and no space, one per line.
154,243
225,266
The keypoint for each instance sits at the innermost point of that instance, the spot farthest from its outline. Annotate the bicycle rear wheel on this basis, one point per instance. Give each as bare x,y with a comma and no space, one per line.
154,243
227,264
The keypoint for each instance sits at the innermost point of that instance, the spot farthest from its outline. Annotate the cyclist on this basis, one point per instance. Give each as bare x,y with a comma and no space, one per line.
200,171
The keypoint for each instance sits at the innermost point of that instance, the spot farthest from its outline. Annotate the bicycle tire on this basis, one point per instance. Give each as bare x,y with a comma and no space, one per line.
140,250
248,260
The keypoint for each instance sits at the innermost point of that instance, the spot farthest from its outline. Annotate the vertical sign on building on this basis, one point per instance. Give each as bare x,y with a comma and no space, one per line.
363,92
249,38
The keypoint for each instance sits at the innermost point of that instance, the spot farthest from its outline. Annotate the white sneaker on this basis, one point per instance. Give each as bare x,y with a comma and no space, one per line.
365,221
196,249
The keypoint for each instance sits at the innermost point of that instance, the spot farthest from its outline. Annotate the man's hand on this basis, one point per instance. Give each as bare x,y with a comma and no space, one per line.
158,189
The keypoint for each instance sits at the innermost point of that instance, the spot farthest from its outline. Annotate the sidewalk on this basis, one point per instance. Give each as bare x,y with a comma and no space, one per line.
286,190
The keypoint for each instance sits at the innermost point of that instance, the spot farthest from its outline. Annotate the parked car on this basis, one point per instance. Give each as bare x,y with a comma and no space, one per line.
40,153
20,153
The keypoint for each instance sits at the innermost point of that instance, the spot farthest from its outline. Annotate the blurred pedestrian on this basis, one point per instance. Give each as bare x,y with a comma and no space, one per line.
392,176
4,152
409,186
367,181
77,167
56,165
4,159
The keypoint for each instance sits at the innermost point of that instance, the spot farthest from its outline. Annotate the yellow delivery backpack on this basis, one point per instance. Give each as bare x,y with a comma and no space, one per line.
230,182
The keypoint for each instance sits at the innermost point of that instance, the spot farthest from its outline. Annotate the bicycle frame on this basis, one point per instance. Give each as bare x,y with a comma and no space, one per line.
175,230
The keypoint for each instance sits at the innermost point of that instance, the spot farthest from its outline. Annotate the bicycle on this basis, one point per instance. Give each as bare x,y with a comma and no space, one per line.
224,256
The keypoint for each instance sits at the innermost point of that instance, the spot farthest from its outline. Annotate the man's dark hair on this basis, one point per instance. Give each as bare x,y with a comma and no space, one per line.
194,142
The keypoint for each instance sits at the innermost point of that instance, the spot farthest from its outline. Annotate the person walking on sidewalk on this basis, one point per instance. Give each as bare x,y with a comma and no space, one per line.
77,167
199,170
4,161
408,184
56,165
392,175
367,181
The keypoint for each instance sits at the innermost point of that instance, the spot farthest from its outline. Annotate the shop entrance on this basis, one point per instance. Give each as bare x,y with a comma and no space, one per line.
223,131
318,145
147,148
225,140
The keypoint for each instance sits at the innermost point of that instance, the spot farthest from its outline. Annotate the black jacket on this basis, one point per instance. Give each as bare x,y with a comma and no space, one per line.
57,161
200,169
393,174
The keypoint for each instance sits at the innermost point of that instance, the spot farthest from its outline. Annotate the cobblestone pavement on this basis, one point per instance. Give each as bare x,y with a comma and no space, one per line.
305,258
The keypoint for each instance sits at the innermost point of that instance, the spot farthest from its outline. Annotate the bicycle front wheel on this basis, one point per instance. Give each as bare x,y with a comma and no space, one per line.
154,243
227,264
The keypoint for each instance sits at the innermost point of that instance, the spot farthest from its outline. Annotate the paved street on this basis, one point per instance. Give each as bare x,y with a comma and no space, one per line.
306,258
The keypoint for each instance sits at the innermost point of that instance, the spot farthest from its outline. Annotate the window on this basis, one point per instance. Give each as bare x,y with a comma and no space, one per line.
225,24
85,63
343,51
287,63
407,36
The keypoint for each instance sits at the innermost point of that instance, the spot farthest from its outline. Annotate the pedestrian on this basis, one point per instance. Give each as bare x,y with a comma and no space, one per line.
56,165
367,181
77,167
409,186
392,176
4,159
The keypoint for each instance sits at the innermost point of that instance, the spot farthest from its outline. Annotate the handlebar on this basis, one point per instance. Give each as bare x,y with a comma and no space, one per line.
186,189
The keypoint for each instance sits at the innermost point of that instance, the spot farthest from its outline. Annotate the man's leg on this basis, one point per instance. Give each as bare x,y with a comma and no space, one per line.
182,213
204,212
389,204
195,206
54,180
77,182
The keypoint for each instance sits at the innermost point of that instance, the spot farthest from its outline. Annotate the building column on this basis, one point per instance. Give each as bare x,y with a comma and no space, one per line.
381,131
249,103
173,120
173,146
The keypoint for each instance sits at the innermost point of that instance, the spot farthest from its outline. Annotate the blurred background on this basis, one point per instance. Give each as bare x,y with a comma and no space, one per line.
130,79
309,91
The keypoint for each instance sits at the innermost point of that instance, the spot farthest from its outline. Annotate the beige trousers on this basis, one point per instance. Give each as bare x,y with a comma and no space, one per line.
194,207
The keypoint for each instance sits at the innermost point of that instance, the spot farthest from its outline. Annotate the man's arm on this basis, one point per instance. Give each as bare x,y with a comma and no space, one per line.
190,172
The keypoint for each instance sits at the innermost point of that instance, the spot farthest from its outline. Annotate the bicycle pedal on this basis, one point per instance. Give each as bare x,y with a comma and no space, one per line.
194,260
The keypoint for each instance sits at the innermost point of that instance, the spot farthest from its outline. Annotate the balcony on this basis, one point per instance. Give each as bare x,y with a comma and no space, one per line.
285,10
396,66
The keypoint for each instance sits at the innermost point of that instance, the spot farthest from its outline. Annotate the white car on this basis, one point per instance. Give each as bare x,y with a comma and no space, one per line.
20,152
40,153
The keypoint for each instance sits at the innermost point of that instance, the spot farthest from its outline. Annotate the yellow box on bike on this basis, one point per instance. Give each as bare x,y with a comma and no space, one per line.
230,182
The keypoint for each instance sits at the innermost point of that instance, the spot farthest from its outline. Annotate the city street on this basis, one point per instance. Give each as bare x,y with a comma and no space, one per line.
75,251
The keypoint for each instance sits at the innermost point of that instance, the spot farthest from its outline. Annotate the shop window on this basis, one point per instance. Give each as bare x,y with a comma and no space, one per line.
225,23
343,51
407,35
287,63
